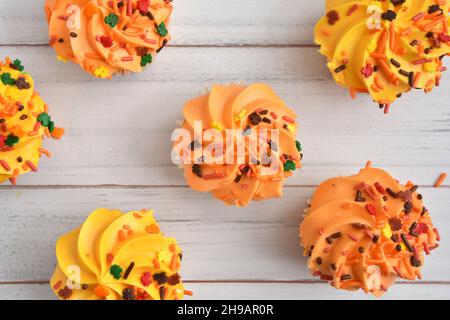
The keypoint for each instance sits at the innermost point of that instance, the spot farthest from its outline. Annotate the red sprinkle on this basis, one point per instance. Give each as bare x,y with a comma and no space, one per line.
57,285
426,249
214,176
379,188
371,209
106,41
353,237
436,231
274,115
352,10
146,279
109,258
127,58
5,165
31,166
326,277
142,6
421,61
288,119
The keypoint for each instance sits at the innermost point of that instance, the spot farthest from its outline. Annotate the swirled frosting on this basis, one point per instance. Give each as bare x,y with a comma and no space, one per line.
385,48
366,230
24,121
108,36
244,110
117,256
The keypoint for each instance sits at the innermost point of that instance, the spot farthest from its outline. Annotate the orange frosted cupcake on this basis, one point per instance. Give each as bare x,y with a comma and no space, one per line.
24,122
106,37
367,230
220,157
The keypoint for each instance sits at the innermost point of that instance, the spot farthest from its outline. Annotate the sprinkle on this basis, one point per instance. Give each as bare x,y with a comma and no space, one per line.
116,271
352,10
31,166
188,293
407,244
352,237
128,271
146,279
436,231
440,180
340,68
371,209
5,165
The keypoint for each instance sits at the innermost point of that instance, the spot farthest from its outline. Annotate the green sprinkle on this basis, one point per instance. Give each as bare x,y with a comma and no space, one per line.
11,140
51,126
298,145
18,64
289,166
112,20
116,271
161,29
44,119
146,59
7,80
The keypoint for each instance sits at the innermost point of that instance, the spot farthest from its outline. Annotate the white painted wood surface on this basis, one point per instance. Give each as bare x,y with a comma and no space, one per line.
116,151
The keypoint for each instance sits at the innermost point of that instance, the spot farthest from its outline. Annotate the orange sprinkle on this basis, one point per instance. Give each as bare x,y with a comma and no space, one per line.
101,291
122,235
440,180
152,229
188,293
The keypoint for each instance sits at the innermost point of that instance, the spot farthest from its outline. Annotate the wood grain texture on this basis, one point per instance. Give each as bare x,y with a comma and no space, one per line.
118,132
194,22
259,242
257,291
116,152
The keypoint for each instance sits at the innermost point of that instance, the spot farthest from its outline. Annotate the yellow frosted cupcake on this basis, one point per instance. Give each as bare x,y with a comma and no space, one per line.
117,256
24,122
385,48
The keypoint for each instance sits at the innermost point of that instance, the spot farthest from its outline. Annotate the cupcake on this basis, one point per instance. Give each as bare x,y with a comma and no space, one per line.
385,48
229,165
24,121
367,230
117,256
105,37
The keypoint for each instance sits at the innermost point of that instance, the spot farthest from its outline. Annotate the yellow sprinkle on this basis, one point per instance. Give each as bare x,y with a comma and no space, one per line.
387,231
61,58
102,72
430,67
291,127
164,257
403,246
217,126
241,115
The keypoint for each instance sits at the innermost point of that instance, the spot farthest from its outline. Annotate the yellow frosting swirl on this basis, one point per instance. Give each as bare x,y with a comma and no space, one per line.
105,37
249,109
24,121
117,256
385,48
364,231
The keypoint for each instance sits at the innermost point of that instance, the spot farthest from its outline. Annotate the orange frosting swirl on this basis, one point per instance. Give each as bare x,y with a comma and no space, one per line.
105,37
245,110
366,230
385,48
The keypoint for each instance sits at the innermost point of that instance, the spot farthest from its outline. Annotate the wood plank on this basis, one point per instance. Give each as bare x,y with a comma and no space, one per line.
257,291
195,22
119,133
219,243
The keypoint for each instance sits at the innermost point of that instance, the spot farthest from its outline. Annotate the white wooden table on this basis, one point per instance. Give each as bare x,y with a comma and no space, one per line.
116,152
